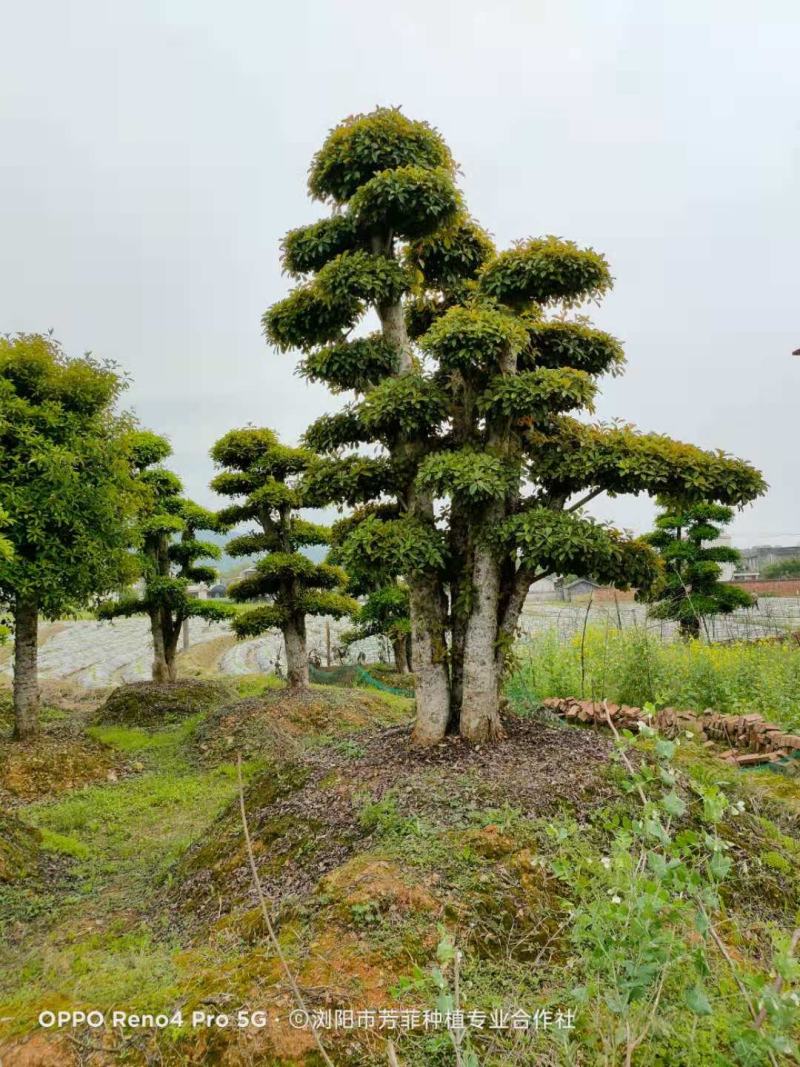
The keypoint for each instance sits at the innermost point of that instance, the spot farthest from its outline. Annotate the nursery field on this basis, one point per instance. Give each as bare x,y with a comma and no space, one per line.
97,654
562,897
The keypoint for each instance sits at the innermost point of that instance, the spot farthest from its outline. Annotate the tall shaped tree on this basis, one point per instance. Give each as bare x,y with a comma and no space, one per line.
468,388
67,492
167,557
691,588
264,476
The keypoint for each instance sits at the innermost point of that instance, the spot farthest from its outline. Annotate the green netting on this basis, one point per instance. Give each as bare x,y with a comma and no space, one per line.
376,683
350,674
784,765
344,675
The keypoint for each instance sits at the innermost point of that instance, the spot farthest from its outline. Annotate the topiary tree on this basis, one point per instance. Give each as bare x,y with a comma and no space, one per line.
264,476
66,490
167,555
691,588
468,387
384,613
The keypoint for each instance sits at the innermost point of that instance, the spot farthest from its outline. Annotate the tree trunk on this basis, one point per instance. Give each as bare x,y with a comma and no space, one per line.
480,712
160,670
294,636
429,661
26,680
462,561
400,654
171,653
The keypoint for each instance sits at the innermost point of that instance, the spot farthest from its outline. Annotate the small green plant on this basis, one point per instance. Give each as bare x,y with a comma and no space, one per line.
644,927
447,979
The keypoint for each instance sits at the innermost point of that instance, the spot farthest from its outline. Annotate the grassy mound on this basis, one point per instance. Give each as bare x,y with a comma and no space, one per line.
326,803
158,704
282,721
372,855
20,849
50,765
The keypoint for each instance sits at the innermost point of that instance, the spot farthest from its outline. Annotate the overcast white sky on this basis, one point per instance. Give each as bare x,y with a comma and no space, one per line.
153,154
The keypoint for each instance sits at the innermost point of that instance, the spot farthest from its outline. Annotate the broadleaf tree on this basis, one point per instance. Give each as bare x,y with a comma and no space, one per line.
264,479
66,492
692,589
167,556
471,388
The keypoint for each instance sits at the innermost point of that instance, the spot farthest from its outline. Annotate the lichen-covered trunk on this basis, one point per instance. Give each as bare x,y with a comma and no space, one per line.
429,660
26,680
480,703
294,637
461,556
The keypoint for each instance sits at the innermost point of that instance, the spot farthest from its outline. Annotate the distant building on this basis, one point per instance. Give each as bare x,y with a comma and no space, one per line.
547,589
580,587
754,560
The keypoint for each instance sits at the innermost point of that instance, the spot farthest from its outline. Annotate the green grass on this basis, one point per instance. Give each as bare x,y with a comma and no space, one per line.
253,685
99,934
94,941
634,667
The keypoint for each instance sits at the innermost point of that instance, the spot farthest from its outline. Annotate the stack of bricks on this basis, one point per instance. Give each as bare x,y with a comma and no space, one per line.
749,739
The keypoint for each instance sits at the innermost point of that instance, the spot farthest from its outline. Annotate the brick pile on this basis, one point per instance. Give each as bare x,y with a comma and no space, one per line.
747,739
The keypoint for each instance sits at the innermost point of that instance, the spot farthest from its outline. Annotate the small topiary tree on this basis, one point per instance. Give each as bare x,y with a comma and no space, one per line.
691,588
167,557
467,390
265,477
384,613
66,490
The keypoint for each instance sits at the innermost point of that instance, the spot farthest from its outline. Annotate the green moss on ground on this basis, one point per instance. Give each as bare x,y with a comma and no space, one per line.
20,849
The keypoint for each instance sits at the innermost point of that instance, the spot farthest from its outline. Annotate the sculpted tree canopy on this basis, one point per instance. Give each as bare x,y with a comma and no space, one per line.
264,477
691,588
470,388
167,556
66,494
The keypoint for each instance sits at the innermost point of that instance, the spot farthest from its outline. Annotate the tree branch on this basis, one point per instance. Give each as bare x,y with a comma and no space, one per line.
584,500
